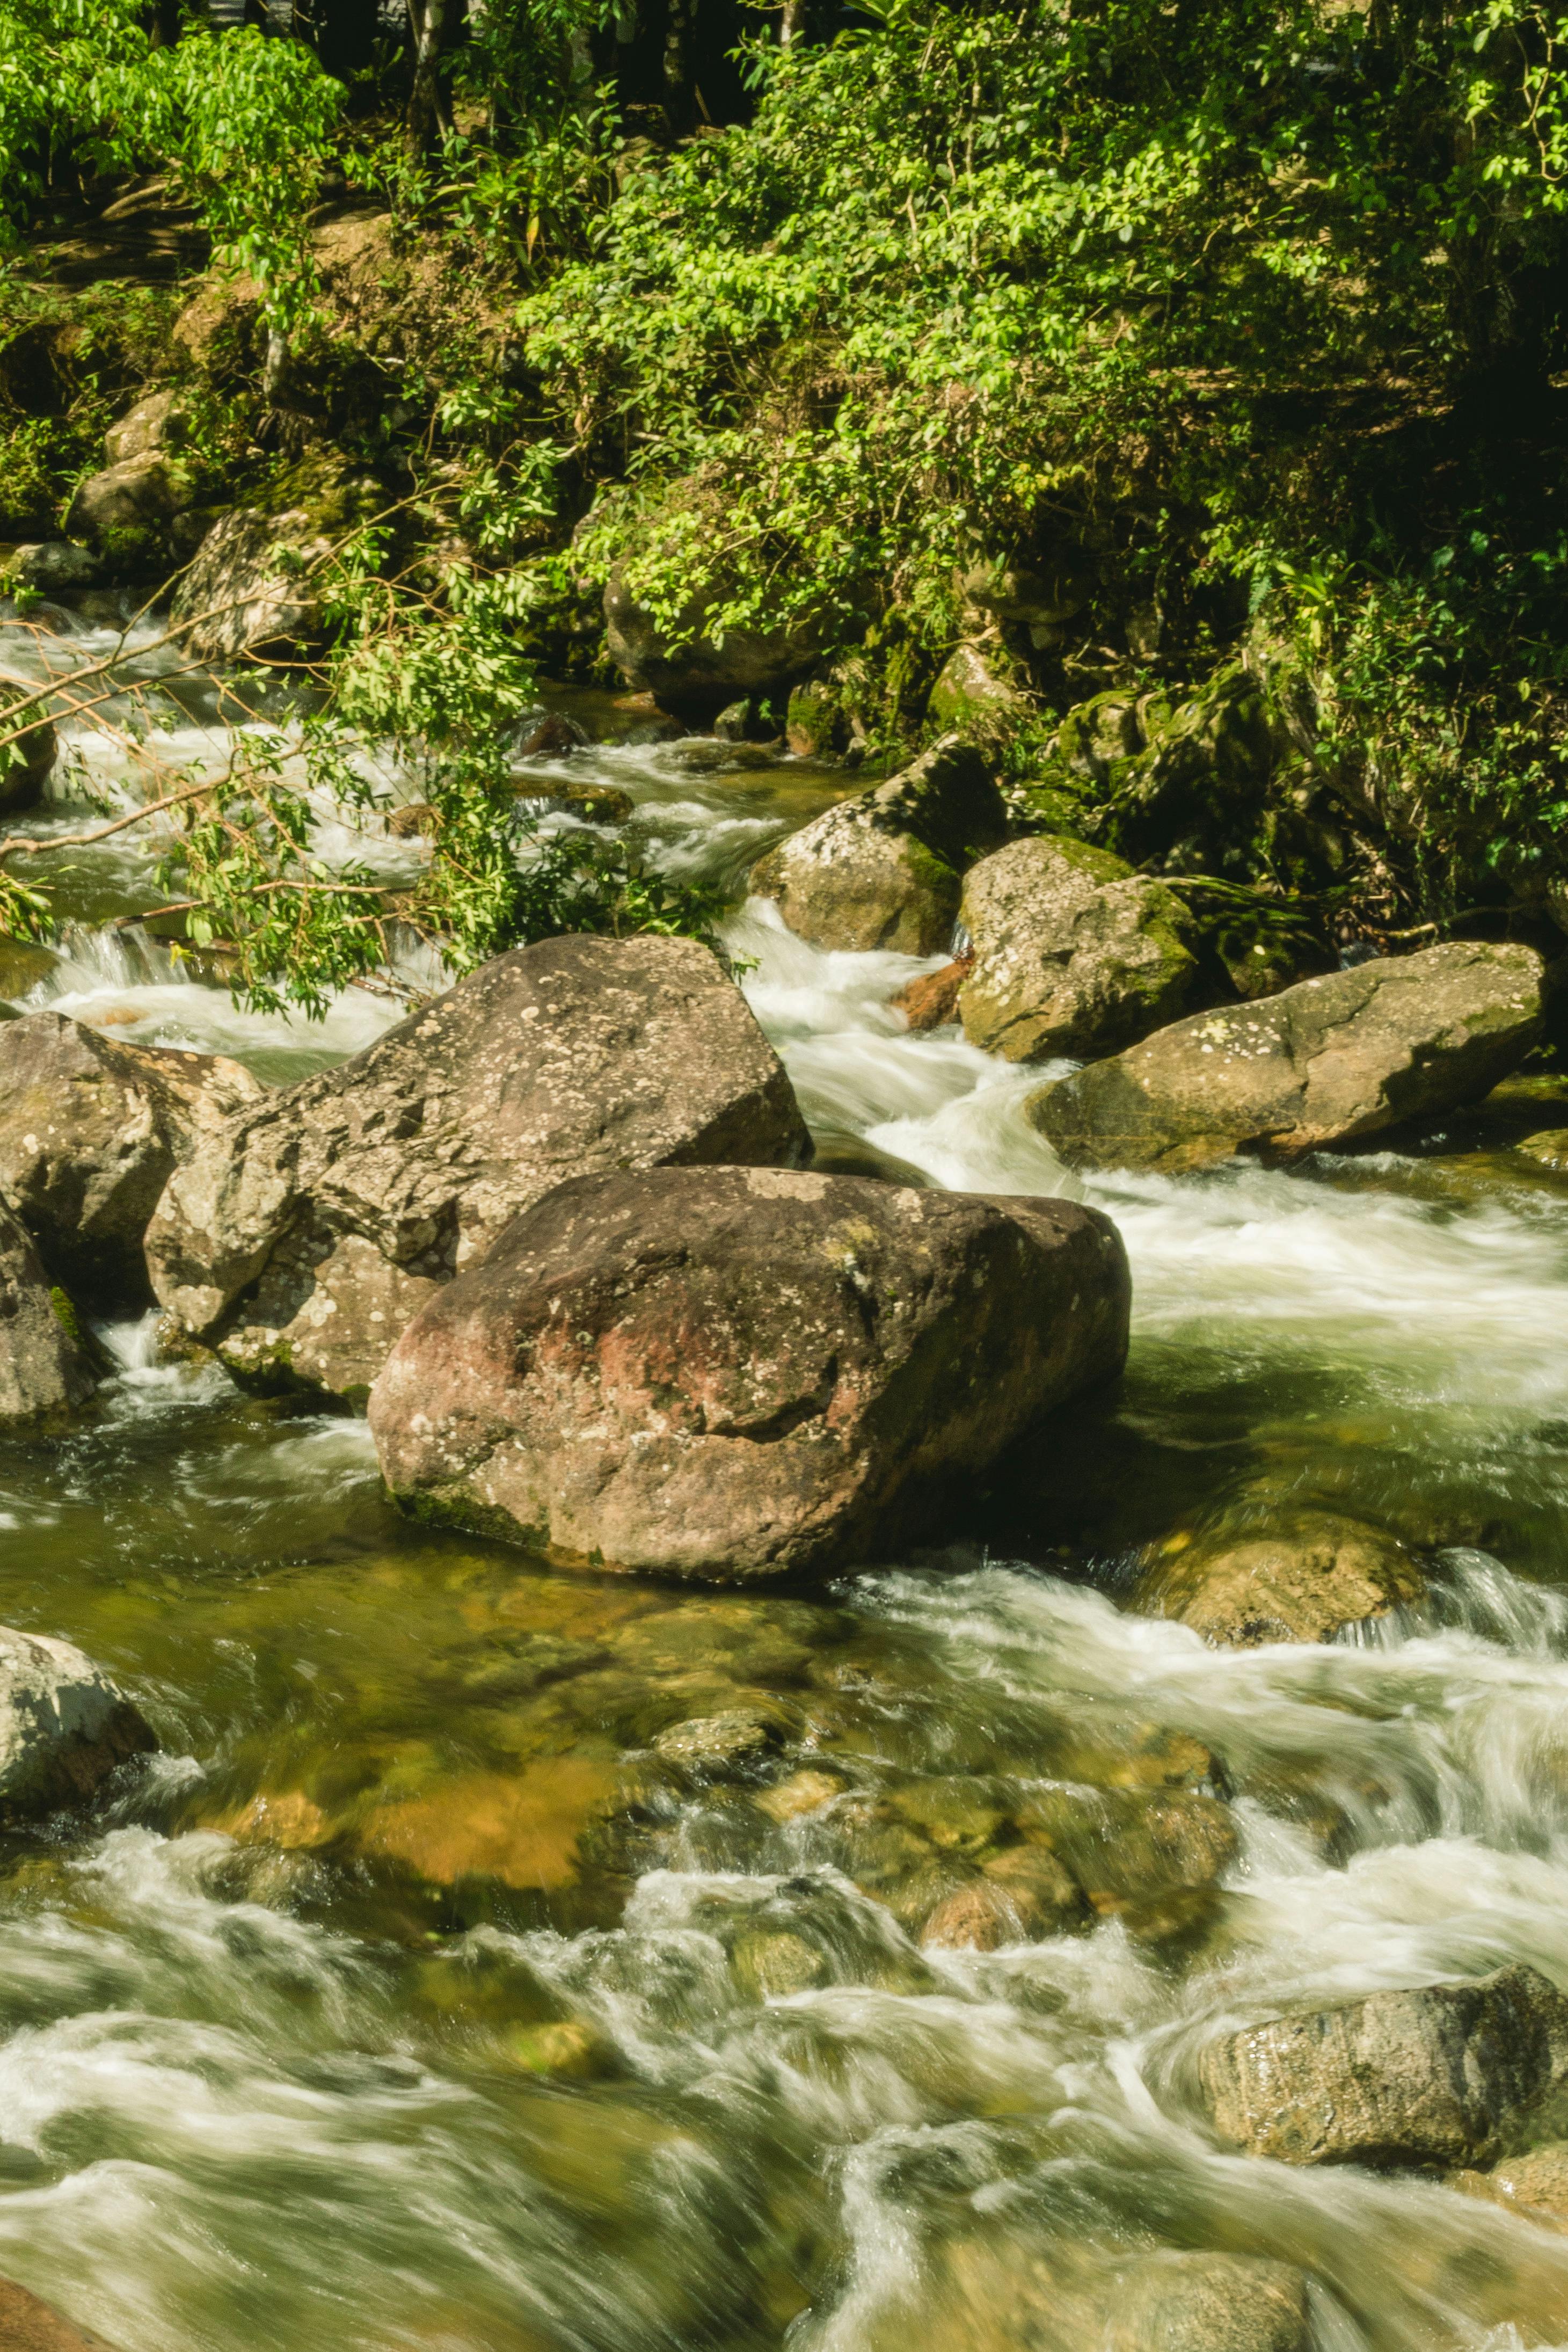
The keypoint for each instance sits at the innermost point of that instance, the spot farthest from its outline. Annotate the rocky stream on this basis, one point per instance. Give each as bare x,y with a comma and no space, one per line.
492,1957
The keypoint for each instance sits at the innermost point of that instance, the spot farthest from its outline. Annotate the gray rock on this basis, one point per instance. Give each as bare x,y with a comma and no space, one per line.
1074,953
1305,1578
1207,2303
247,590
91,1131
44,1369
733,1374
1335,1058
882,869
1440,2075
161,421
63,1726
302,1239
692,671
52,566
142,495
972,698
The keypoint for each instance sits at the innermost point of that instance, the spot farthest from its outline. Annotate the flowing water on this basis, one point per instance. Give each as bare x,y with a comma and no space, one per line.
415,1998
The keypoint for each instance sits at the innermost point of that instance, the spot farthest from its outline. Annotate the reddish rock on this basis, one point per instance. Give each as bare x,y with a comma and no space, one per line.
932,1000
29,2325
729,1373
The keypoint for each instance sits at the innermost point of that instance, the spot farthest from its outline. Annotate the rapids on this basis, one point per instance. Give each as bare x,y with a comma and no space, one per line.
336,2032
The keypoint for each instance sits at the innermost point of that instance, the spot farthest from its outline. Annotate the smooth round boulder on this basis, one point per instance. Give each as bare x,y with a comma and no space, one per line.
883,868
299,1241
1331,1059
63,1726
1073,952
736,1373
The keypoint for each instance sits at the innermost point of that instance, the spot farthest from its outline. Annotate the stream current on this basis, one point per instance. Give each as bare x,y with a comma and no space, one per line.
412,1998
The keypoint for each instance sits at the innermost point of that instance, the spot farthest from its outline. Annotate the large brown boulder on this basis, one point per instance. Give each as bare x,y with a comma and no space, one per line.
1330,1059
734,1373
883,868
1441,2076
299,1241
44,1368
1074,953
63,1726
91,1131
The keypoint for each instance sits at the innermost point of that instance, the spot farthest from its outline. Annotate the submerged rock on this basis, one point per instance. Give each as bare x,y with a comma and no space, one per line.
1207,2303
1535,2185
1074,953
1303,1579
44,1368
29,2325
733,1374
1439,2075
1329,1060
881,870
302,1239
63,1726
91,1131
1128,1848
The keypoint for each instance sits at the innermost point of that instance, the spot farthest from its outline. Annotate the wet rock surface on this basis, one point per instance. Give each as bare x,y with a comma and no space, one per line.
302,1240
91,1129
63,1726
882,869
44,1368
727,1374
26,2325
1325,1062
1439,2075
1302,1579
1208,2303
1073,952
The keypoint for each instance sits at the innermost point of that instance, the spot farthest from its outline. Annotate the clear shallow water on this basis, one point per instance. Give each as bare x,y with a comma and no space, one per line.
415,1999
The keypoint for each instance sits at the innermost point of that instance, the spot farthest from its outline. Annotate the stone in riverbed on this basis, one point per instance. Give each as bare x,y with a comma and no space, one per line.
63,1726
300,1241
29,2325
1439,2075
1327,1061
932,1001
44,1368
1074,953
91,1131
881,870
1208,2303
1129,1848
732,1373
1535,2185
1550,1148
1302,1580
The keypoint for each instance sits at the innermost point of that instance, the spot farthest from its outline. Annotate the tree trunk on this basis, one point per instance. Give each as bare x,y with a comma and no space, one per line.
428,21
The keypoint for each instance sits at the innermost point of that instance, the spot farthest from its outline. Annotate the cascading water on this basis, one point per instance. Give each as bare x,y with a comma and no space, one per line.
335,2033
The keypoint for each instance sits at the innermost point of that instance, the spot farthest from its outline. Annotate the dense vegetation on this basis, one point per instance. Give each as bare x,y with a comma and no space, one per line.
1201,369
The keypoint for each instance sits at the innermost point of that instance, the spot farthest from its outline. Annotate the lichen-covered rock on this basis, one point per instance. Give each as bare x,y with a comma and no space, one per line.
692,671
972,698
301,1240
1331,1059
882,869
44,1368
250,588
63,1726
142,495
1303,1578
733,1374
161,421
1073,952
1439,2075
90,1132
